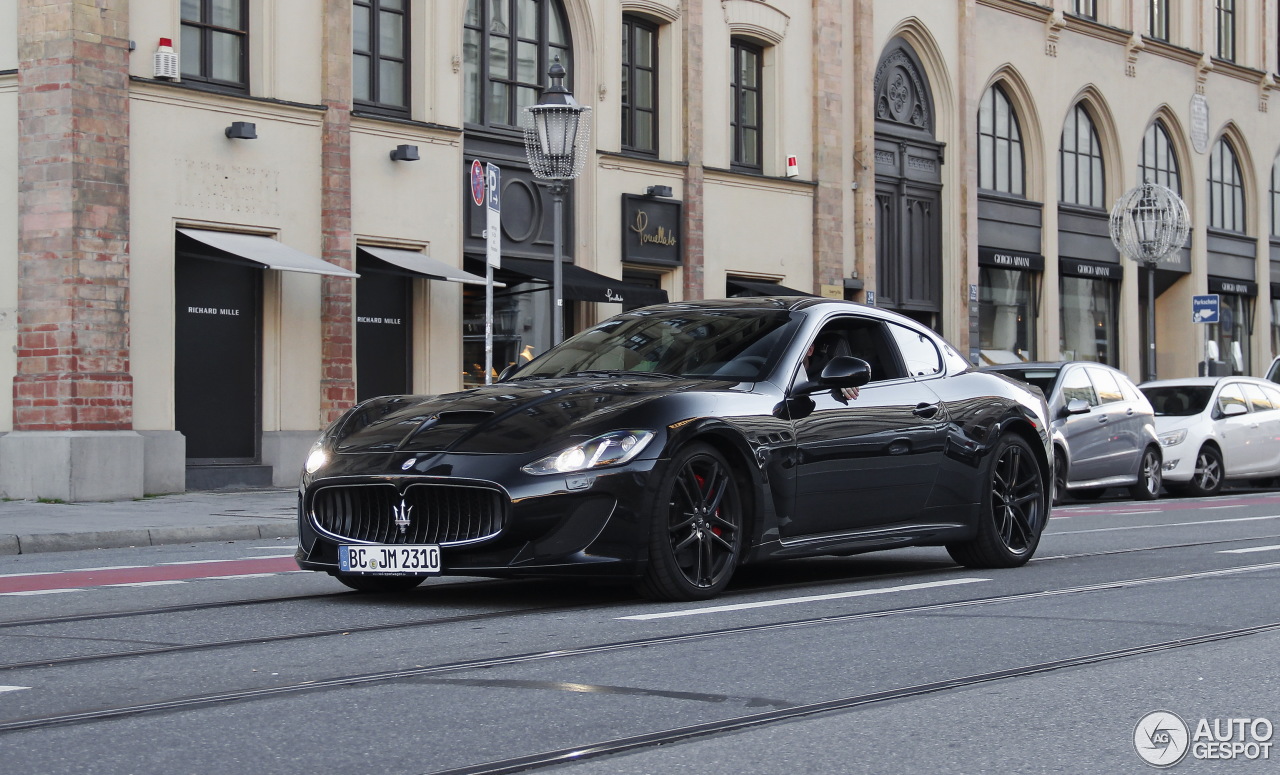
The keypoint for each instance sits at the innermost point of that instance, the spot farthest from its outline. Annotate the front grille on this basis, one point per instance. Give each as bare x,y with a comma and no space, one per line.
438,513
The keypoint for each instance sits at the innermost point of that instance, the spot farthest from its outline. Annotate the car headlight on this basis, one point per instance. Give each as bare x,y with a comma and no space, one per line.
1173,438
317,458
609,449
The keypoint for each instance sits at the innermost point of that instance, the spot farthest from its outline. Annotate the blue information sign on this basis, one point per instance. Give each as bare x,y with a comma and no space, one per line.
1204,309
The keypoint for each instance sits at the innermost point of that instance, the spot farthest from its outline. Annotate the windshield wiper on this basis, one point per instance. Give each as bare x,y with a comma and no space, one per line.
619,373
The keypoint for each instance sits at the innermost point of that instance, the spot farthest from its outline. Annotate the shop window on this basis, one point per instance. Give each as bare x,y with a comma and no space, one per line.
1006,315
1231,338
1090,320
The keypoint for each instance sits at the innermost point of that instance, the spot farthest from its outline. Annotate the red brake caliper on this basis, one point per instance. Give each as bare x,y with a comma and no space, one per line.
701,483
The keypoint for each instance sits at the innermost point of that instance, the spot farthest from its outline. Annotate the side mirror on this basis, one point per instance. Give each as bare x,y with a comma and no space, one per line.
507,372
1234,410
1076,406
843,371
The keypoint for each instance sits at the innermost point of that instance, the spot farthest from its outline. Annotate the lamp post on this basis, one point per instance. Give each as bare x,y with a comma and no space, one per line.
555,138
1149,223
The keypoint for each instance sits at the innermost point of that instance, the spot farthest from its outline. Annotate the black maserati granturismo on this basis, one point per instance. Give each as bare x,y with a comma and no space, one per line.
671,444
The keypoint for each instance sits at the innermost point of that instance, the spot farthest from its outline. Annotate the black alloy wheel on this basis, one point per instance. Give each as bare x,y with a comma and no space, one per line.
1013,513
379,584
696,536
1059,479
1207,480
1150,474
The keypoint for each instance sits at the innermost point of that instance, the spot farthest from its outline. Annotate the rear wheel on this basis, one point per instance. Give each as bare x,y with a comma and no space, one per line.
1149,477
1207,480
1013,511
380,584
696,537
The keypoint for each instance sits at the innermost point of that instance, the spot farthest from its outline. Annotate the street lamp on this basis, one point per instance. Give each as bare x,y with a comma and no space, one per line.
555,138
1149,223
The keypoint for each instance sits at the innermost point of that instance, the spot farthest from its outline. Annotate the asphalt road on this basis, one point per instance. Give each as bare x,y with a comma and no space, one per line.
216,658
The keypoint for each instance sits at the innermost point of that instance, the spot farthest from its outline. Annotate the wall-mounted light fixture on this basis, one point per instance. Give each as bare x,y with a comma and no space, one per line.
658,191
242,130
405,153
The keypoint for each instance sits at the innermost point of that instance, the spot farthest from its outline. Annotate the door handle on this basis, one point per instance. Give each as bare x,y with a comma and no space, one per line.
926,411
1102,419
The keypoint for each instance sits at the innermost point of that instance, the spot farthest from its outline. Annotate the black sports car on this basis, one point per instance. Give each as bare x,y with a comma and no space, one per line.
671,444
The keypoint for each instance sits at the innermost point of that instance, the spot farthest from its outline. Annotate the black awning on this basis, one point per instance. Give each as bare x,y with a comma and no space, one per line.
762,288
580,284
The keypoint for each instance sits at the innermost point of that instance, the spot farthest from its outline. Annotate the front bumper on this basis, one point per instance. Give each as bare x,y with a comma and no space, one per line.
594,523
1180,461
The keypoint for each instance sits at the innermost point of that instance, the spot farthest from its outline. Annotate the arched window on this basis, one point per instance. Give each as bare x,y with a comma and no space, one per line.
1275,198
1226,188
1000,165
507,46
1157,160
1081,179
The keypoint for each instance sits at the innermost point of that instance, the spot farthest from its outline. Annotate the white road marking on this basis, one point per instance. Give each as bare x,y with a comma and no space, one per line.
1148,527
13,688
39,592
37,573
793,600
238,576
105,567
145,584
1232,506
1250,550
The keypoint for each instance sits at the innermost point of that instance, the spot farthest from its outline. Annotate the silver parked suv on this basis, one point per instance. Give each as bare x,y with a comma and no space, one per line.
1103,428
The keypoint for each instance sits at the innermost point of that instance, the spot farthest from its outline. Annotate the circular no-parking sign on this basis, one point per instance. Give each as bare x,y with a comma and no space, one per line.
477,182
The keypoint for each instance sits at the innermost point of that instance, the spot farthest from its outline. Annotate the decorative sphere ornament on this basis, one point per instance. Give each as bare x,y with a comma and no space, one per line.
1149,223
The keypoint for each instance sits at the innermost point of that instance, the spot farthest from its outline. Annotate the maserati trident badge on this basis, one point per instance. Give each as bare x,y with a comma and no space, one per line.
402,516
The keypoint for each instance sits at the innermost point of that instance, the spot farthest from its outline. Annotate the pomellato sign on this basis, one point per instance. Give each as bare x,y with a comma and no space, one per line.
651,231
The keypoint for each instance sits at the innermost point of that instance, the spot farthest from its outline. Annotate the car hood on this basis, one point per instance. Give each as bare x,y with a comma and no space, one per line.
1165,424
511,417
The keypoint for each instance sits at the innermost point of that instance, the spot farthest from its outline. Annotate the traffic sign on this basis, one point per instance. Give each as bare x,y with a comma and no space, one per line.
477,182
1205,309
493,221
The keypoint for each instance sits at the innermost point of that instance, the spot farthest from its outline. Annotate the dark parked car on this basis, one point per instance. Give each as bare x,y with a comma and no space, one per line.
671,444
1104,428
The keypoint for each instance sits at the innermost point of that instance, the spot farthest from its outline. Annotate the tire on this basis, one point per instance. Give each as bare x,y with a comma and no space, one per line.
1149,476
1059,480
1013,512
1207,480
379,584
696,534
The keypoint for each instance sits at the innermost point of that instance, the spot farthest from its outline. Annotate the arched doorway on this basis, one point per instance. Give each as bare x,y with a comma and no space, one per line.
908,188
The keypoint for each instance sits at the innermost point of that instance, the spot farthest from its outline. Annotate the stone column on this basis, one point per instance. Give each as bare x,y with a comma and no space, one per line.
73,393
695,146
829,150
337,381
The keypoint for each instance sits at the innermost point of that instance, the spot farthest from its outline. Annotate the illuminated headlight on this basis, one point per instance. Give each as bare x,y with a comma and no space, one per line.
317,458
610,449
1173,438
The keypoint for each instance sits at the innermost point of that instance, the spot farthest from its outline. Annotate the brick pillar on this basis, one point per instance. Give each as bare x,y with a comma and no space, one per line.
864,143
694,133
73,214
828,143
337,381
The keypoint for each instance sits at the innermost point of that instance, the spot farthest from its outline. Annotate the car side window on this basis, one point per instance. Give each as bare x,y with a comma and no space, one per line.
919,353
1257,399
860,337
1273,395
1231,394
1076,384
1104,382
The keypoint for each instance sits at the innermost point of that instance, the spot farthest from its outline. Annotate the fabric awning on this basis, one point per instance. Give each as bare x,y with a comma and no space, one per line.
580,284
272,254
765,288
422,264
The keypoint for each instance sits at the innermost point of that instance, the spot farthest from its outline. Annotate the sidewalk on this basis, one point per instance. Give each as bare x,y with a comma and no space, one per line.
27,527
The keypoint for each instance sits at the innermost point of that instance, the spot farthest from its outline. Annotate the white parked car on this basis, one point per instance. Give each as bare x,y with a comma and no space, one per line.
1214,429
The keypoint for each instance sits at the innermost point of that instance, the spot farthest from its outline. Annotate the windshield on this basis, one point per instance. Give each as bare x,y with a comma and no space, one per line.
737,344
1179,400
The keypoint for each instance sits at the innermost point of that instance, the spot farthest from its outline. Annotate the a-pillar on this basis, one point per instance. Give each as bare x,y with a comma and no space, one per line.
73,435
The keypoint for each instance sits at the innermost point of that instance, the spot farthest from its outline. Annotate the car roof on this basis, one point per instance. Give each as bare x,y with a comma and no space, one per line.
817,304
1203,381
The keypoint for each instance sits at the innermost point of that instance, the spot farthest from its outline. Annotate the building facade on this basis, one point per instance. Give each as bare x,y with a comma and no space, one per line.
222,222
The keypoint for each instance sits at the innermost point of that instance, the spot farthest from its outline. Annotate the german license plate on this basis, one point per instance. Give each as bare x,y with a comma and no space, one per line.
402,559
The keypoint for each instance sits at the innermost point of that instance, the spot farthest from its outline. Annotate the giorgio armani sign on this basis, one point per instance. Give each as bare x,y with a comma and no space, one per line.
651,231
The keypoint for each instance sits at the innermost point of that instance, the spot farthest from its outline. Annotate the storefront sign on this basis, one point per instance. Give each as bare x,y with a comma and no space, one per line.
1237,287
1010,259
651,231
1076,268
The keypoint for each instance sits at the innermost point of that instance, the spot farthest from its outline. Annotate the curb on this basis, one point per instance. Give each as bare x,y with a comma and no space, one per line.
34,543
